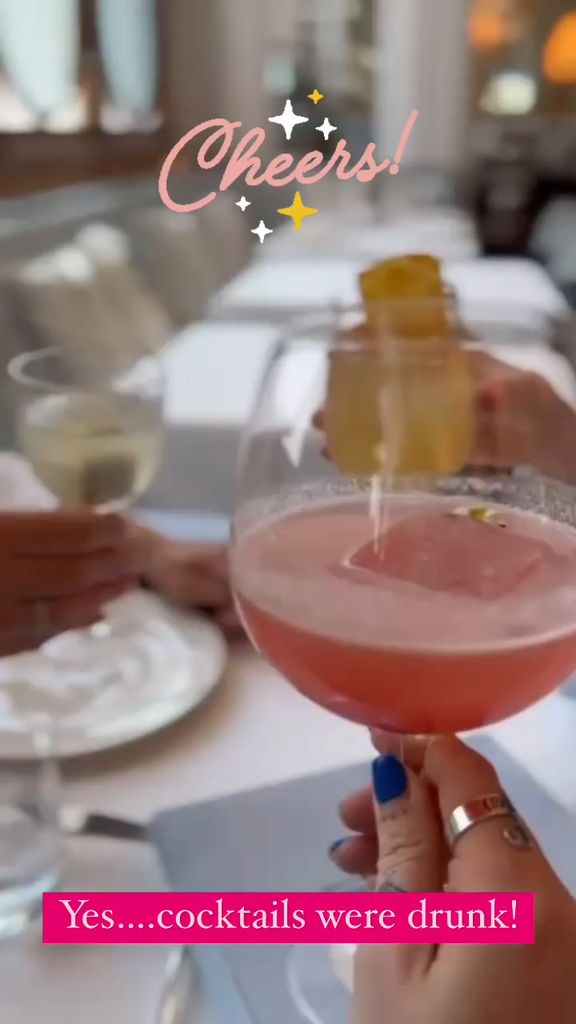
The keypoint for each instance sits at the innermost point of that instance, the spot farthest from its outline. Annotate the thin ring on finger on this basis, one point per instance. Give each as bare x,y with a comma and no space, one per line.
390,887
486,808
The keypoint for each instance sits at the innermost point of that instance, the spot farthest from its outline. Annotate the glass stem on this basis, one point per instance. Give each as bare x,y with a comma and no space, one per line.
45,749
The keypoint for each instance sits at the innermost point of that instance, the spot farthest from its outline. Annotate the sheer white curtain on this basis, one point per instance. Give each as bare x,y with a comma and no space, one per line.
423,63
129,52
40,50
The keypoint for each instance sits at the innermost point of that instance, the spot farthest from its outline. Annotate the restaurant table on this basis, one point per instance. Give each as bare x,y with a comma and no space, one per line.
212,373
359,233
92,984
274,290
255,729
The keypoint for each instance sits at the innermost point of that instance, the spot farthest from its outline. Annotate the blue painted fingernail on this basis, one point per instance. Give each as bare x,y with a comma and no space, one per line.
389,778
337,844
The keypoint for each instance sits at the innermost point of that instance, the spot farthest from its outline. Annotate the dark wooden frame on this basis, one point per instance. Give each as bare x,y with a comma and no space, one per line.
37,160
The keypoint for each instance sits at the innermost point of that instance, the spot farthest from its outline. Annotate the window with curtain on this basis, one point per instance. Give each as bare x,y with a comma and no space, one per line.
524,56
79,84
332,41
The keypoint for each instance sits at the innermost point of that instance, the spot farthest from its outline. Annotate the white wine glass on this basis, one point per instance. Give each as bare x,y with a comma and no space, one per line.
94,439
92,432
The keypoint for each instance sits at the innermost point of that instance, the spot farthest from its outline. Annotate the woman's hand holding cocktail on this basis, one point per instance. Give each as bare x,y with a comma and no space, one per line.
519,420
399,838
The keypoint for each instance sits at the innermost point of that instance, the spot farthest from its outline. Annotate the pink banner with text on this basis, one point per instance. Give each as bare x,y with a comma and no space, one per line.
221,918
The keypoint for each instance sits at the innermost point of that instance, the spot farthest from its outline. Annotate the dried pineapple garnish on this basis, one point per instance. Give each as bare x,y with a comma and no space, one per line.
406,296
400,396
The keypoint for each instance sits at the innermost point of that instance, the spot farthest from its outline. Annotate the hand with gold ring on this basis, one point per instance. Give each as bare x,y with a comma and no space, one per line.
440,821
57,571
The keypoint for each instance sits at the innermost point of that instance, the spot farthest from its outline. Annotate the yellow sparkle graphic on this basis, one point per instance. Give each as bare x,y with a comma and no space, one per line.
315,96
298,211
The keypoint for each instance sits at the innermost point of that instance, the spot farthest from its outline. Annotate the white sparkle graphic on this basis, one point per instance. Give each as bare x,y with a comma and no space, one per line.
262,231
288,119
243,204
326,128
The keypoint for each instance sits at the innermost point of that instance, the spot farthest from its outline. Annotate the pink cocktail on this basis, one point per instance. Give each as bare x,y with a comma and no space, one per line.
389,577
430,596
425,620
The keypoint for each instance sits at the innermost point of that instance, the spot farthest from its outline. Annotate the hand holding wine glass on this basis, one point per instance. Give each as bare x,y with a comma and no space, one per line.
58,569
188,576
91,429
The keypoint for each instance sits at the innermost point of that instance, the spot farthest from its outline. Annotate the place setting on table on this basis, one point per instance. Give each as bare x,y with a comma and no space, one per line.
92,432
402,554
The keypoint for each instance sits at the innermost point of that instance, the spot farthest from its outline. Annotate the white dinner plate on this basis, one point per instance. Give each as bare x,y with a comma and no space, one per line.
96,693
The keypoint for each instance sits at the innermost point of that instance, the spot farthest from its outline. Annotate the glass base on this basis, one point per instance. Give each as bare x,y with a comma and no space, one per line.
320,978
21,904
316,984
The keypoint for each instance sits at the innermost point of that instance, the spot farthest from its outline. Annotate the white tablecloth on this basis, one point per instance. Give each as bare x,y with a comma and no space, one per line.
448,234
92,984
213,371
256,730
277,289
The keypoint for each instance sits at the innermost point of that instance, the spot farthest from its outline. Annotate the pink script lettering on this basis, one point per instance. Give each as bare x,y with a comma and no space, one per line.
245,162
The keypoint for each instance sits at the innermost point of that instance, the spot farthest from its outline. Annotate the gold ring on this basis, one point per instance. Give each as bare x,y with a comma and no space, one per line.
483,808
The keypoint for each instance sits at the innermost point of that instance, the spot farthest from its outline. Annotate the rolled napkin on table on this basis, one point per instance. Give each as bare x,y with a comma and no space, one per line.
86,299
137,322
174,256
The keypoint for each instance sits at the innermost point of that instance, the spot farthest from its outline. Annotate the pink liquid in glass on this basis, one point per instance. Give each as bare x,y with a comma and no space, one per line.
419,621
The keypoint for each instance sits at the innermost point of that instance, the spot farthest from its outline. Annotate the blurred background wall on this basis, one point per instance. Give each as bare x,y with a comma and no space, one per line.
95,91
